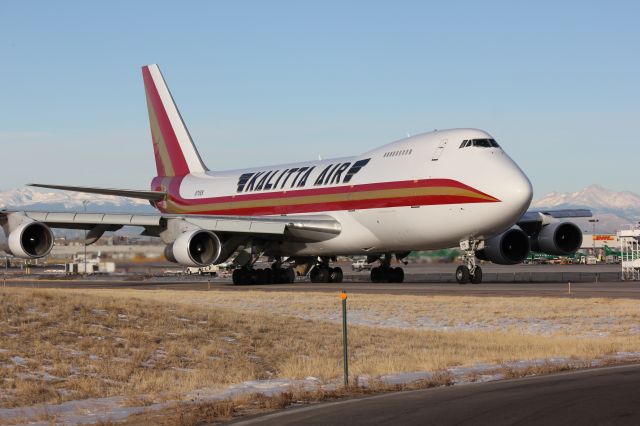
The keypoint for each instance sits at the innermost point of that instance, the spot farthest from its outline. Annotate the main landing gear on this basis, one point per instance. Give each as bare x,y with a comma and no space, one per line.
323,273
470,273
385,273
250,276
247,275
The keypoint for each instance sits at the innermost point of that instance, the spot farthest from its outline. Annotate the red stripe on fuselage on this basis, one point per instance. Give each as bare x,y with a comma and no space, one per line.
430,200
417,200
174,191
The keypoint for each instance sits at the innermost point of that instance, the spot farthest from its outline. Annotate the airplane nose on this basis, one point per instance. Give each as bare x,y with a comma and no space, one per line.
517,190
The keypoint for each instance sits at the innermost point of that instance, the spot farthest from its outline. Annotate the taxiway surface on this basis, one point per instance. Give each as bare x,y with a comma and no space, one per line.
601,289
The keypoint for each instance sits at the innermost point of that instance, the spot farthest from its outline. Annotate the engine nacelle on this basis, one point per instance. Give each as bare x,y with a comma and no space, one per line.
558,239
30,240
195,248
509,248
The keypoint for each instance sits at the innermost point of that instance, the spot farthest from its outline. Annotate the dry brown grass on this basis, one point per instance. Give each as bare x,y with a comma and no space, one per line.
157,346
533,315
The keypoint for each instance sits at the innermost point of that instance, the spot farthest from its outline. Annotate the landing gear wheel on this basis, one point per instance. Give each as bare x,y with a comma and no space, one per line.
336,275
376,275
462,274
289,275
236,276
266,276
320,274
476,278
396,275
243,276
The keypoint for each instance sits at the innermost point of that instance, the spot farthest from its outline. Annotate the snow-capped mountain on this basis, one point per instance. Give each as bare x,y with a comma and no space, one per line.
613,209
39,199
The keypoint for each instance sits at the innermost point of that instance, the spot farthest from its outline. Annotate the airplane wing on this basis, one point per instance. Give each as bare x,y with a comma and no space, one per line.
535,215
303,228
29,235
145,195
533,221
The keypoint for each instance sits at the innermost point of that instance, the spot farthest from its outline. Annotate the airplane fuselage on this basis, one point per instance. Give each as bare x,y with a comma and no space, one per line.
419,193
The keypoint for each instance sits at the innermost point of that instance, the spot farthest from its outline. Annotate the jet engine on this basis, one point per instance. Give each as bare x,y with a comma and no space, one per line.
30,240
509,248
195,248
558,239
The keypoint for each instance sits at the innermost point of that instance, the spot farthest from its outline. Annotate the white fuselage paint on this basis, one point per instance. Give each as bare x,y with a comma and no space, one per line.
378,230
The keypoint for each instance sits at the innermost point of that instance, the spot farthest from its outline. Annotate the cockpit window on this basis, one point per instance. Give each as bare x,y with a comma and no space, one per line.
482,143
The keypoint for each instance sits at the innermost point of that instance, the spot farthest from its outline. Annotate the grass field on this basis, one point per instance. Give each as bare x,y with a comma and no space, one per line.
154,346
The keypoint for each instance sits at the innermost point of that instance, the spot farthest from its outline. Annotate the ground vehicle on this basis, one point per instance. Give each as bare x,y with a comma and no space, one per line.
203,270
361,265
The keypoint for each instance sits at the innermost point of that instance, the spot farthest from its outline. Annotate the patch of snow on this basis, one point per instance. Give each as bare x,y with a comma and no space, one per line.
18,360
113,408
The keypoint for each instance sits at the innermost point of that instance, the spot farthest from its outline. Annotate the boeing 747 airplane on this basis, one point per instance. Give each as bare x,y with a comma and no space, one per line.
446,188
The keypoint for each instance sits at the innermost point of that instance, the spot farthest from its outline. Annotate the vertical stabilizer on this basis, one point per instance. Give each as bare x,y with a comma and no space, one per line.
175,153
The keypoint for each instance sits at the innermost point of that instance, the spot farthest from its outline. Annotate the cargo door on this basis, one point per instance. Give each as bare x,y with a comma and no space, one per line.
438,152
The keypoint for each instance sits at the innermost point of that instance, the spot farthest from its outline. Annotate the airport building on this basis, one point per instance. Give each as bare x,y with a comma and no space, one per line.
599,241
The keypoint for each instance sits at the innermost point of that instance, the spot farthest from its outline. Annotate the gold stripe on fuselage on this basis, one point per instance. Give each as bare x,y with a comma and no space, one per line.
176,207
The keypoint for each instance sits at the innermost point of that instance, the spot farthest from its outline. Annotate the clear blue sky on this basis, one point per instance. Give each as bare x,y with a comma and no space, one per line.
556,83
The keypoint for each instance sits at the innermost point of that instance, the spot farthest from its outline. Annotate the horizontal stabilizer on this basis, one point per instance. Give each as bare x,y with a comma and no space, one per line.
145,195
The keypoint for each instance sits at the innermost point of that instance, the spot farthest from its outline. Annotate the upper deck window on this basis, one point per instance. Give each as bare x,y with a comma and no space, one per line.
482,143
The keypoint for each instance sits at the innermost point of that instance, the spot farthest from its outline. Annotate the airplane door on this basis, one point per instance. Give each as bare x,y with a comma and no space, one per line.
438,152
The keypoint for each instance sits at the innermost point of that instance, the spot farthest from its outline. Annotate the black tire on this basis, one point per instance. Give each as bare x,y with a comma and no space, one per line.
236,277
320,275
376,275
325,275
314,275
267,276
279,276
476,278
462,274
253,277
396,275
261,276
289,275
336,275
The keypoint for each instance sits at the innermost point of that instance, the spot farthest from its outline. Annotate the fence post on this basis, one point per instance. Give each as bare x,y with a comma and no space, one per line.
343,296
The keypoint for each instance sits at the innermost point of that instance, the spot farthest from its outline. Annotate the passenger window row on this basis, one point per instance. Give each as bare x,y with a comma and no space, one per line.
398,153
482,143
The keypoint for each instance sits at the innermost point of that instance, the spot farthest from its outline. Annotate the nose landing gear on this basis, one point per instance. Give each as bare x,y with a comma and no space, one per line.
471,272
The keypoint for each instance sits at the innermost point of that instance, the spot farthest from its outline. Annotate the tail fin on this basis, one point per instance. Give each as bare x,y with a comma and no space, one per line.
175,153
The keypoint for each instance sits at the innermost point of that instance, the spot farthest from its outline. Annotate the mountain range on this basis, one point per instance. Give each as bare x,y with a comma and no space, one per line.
38,199
613,209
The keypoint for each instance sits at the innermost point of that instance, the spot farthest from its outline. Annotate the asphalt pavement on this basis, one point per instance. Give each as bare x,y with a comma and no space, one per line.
619,289
604,396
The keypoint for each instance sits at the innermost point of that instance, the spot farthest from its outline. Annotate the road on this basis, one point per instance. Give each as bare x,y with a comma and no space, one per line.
606,396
